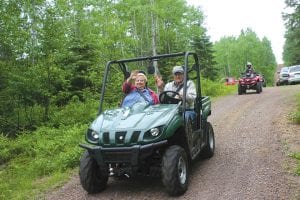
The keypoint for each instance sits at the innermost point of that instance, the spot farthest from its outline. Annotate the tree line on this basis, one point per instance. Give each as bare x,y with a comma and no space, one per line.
291,49
52,53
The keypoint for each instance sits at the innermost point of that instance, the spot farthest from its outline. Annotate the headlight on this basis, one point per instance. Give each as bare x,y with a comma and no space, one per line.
92,135
95,135
154,132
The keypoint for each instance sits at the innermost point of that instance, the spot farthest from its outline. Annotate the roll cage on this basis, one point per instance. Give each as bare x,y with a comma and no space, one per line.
151,69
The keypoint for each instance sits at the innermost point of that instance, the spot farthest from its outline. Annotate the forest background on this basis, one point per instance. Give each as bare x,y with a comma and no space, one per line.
52,58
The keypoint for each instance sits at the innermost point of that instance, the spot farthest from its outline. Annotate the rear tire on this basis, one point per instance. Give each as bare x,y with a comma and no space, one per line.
209,149
175,172
258,88
93,177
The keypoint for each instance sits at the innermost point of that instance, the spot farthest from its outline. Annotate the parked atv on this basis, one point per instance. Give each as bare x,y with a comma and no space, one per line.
250,81
147,140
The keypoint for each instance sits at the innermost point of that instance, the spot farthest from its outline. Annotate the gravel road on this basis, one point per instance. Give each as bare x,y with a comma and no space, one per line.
250,160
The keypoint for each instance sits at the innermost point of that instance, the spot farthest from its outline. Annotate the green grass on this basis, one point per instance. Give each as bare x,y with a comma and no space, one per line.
215,89
295,117
296,156
38,161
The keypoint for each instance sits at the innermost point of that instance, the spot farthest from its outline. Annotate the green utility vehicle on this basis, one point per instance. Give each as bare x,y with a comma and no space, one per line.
147,140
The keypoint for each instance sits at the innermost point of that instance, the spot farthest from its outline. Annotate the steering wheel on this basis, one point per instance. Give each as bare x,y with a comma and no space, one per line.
168,97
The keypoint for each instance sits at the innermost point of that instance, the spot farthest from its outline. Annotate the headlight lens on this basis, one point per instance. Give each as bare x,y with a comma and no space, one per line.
154,132
92,136
95,135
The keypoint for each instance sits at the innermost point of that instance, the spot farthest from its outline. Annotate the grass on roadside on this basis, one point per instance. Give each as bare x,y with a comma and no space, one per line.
215,89
297,157
295,117
38,161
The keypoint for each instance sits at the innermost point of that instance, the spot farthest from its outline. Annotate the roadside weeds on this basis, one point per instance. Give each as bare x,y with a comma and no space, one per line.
289,134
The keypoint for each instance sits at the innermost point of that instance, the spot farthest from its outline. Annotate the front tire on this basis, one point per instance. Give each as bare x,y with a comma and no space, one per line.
175,171
93,177
261,87
258,88
240,90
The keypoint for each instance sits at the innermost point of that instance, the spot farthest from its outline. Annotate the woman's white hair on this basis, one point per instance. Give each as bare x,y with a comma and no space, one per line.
142,75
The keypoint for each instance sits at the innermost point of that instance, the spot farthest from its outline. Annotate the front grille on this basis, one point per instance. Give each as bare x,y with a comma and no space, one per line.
109,138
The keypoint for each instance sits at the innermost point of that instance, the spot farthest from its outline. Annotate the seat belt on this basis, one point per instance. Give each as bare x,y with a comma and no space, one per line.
178,89
141,93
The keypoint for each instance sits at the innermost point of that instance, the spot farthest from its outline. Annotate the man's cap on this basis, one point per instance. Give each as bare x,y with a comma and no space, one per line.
177,69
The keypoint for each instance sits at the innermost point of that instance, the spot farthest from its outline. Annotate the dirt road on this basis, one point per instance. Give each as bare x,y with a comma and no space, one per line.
250,160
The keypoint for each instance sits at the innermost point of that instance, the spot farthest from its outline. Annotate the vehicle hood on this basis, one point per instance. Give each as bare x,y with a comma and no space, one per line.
139,117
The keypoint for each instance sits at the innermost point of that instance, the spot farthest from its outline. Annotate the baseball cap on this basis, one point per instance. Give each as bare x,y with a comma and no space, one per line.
177,69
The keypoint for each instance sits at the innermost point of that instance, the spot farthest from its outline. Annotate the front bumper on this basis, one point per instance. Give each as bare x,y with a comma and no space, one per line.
130,155
294,80
249,86
283,80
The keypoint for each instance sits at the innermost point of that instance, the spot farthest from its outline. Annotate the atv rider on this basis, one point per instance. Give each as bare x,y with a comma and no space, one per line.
249,68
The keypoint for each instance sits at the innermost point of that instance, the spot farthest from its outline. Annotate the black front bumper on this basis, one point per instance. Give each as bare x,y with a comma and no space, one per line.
130,155
249,86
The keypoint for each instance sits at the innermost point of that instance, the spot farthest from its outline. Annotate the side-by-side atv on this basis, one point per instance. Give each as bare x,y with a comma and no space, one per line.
250,81
147,140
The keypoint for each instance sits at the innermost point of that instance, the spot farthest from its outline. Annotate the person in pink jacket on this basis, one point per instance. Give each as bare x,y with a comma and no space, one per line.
138,91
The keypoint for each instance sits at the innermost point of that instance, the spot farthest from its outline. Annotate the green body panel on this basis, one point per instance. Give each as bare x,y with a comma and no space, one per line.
206,107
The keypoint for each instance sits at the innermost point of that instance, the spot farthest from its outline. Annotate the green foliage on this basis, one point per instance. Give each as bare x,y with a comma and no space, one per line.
232,54
291,50
215,89
76,112
5,149
204,48
53,52
35,155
